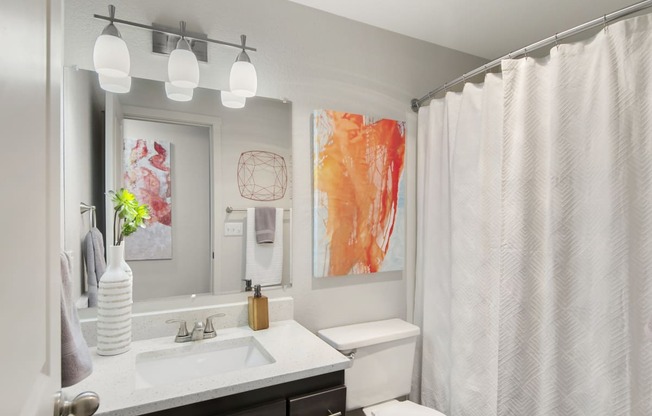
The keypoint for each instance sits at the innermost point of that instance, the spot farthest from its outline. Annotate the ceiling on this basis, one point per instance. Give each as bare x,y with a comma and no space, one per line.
485,28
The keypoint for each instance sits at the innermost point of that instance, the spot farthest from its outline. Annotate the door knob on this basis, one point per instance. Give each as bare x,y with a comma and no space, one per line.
85,404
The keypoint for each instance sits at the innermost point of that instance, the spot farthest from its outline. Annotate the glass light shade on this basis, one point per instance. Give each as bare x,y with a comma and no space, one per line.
177,93
183,68
111,56
231,100
243,80
115,85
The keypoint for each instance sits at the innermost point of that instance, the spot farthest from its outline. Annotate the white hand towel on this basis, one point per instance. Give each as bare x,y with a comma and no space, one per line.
264,262
76,363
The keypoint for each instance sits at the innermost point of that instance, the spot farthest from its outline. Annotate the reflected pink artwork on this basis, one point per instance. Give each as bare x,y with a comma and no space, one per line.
147,175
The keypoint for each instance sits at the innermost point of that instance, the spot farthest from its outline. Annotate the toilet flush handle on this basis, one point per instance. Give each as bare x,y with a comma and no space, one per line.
349,354
334,414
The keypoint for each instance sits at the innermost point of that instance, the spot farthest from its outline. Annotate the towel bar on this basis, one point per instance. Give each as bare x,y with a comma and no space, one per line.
83,208
230,210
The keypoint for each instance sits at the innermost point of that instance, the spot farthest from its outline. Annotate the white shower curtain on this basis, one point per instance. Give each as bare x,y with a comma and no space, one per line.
534,262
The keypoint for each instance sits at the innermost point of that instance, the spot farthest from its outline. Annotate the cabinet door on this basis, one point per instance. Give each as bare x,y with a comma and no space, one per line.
269,409
322,403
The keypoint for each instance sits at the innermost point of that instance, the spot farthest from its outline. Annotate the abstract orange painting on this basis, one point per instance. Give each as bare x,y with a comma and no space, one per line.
359,194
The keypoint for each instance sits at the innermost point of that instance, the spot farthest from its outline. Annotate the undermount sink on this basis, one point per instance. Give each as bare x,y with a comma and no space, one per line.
199,359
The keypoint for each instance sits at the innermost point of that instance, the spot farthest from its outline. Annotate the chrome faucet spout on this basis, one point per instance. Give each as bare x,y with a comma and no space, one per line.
198,331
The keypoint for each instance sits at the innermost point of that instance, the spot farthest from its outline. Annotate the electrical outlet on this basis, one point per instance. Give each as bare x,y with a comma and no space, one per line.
232,229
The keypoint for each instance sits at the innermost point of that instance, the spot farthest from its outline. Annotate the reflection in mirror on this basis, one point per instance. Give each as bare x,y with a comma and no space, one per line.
208,158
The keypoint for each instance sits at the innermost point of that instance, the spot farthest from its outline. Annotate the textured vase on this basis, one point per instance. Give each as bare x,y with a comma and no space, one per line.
114,306
130,273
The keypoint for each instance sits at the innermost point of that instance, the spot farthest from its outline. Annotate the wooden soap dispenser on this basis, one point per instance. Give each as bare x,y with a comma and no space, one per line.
258,310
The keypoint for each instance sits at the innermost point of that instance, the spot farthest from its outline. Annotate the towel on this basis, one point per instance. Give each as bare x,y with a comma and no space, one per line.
264,262
406,408
76,362
95,263
265,224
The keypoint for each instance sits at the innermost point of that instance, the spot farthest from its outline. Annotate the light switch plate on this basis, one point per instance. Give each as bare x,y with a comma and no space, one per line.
232,229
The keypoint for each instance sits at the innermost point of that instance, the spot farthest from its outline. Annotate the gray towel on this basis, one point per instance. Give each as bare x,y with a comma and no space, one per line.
76,363
95,263
265,225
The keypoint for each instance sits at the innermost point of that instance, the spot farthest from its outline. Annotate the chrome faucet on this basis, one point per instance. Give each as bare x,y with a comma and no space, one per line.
199,331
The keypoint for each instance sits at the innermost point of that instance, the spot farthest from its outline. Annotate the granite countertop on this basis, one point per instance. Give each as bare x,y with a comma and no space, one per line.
297,352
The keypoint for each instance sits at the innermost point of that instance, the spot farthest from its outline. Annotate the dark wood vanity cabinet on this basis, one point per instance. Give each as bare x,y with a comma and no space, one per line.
322,395
277,408
325,402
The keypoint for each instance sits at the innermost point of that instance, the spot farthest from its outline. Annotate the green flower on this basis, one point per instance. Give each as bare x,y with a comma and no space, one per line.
129,215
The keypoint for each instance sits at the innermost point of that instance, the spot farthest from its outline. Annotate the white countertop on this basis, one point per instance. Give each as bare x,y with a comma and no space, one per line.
297,352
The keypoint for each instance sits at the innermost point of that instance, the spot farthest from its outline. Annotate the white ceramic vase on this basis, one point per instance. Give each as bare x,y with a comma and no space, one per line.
114,306
130,273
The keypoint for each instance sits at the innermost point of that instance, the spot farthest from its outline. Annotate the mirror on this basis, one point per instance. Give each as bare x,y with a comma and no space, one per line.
207,158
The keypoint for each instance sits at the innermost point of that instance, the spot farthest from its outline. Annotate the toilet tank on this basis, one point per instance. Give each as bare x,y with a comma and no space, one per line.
383,359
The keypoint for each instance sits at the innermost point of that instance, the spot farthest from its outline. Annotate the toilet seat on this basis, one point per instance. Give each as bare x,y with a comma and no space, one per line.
396,408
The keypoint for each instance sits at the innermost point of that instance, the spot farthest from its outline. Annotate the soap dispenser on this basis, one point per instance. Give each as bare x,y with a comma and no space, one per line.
258,310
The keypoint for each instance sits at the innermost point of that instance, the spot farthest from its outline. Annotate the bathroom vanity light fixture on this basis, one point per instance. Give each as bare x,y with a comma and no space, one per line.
110,54
232,100
116,85
111,58
183,68
178,93
243,80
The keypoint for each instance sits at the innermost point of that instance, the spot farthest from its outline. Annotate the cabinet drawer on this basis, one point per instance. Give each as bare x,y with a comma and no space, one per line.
321,403
270,409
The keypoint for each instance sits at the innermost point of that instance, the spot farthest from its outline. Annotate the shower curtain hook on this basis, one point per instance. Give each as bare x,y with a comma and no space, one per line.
525,53
604,23
557,41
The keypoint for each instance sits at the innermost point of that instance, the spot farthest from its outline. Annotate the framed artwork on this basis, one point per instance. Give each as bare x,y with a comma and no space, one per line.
358,194
147,175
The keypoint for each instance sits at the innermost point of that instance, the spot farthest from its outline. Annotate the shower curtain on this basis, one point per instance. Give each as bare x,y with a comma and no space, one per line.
534,260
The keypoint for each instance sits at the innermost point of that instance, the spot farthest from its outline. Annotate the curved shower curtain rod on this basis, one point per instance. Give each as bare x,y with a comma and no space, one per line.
552,40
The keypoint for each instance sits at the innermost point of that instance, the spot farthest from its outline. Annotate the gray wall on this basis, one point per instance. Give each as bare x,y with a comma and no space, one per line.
263,124
316,60
82,113
188,271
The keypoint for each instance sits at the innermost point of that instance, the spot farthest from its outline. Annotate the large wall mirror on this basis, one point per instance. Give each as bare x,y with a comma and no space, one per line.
217,162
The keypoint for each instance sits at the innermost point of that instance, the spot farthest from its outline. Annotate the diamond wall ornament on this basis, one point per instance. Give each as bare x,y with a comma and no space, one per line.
262,176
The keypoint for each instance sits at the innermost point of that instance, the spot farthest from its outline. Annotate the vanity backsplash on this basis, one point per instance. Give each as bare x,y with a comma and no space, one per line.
152,324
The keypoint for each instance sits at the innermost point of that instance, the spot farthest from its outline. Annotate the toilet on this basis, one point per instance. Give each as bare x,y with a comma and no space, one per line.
383,356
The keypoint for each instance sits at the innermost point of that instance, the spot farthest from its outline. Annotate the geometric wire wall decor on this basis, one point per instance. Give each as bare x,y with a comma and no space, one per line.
262,176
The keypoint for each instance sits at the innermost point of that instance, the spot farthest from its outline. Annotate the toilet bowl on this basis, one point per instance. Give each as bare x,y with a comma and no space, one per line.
383,357
396,408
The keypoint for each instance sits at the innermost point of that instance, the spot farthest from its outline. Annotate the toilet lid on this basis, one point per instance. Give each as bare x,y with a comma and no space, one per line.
405,408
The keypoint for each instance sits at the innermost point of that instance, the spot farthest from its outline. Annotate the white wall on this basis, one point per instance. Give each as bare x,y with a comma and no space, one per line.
316,60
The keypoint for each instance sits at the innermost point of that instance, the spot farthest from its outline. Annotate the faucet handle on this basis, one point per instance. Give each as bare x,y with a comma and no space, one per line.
183,329
209,323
